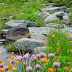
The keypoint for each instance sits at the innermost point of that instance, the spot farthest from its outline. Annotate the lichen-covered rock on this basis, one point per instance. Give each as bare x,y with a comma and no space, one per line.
27,44
24,23
17,33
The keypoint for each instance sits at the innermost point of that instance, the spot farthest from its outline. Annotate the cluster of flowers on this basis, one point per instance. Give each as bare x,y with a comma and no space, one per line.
33,58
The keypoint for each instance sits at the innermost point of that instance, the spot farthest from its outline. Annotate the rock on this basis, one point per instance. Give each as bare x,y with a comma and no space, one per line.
2,40
53,25
56,9
39,33
59,14
17,33
45,14
4,31
24,23
27,44
51,18
39,49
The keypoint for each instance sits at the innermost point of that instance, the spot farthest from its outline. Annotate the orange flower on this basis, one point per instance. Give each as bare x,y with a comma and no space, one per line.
70,50
50,47
45,46
44,40
1,69
54,31
66,68
57,50
56,60
68,34
53,35
1,61
44,60
10,56
51,69
9,65
70,42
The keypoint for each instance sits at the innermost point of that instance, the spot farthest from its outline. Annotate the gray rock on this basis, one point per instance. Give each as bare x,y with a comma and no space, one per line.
39,49
59,14
56,9
51,18
4,31
45,14
24,23
17,33
27,44
53,25
39,33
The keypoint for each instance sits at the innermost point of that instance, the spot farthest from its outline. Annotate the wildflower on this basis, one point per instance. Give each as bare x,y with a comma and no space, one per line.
42,55
12,61
1,69
70,50
44,40
25,57
38,67
10,56
14,68
70,42
51,55
1,61
1,65
51,69
54,31
50,47
9,65
53,35
56,60
66,68
6,68
71,69
24,64
45,46
56,64
6,56
17,62
38,56
57,50
29,69
44,60
68,34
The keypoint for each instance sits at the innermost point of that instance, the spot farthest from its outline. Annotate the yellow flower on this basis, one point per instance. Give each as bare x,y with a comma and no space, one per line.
71,69
14,68
17,62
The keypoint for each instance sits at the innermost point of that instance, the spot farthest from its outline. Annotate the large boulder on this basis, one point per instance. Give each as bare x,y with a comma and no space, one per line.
54,25
56,9
17,33
45,14
27,44
39,33
24,23
51,18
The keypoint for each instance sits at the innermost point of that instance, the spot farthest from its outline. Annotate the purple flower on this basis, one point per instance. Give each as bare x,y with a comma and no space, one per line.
51,55
42,55
1,65
38,67
12,61
5,68
20,57
38,56
29,69
24,64
56,64
25,57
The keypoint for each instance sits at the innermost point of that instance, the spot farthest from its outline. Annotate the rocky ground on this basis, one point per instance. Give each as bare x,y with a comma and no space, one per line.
28,35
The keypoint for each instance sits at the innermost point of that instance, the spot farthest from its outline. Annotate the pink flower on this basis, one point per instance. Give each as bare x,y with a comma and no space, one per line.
24,64
56,64
42,55
51,55
29,69
38,67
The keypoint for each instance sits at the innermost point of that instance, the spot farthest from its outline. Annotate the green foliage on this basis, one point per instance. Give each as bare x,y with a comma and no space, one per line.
70,16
